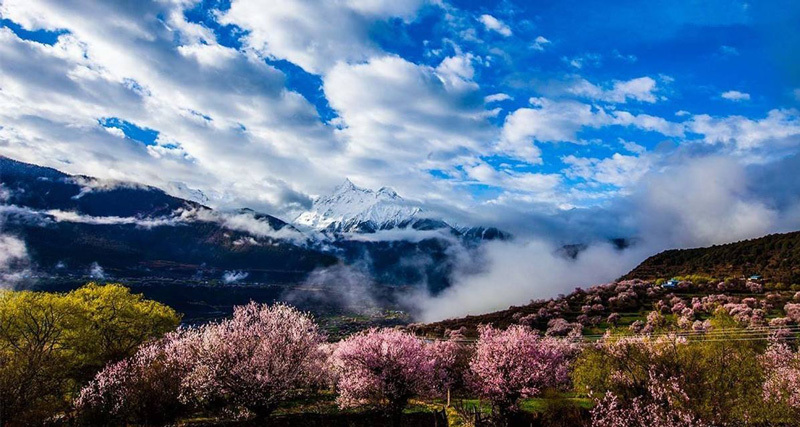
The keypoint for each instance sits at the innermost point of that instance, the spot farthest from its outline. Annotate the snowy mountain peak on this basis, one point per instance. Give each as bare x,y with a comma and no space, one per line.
346,186
388,192
352,209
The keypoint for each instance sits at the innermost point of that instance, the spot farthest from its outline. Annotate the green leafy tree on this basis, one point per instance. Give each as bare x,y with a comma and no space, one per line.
51,344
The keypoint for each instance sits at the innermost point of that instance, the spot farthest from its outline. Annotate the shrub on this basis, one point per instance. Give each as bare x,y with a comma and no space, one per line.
661,405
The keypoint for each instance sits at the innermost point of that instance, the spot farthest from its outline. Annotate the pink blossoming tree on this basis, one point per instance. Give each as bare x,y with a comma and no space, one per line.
661,405
383,367
782,369
144,388
515,363
260,358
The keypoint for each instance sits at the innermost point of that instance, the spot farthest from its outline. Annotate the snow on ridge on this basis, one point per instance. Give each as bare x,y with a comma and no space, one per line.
350,207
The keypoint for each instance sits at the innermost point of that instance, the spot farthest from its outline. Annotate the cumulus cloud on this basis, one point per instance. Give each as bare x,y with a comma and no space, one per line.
534,183
547,121
497,97
315,34
561,120
618,170
641,89
779,130
422,118
735,95
241,135
493,24
539,43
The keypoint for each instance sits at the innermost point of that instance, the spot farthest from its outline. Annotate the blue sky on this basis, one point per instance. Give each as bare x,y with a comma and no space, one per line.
508,112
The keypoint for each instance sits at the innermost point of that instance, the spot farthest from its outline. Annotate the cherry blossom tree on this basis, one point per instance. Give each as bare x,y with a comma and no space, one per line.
383,367
450,364
782,369
661,405
792,312
144,388
515,363
260,358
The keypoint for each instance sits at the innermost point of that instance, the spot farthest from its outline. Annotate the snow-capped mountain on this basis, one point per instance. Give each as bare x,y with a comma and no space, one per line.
354,209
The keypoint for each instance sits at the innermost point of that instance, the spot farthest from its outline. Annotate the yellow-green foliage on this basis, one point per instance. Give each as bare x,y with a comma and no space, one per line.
50,344
721,375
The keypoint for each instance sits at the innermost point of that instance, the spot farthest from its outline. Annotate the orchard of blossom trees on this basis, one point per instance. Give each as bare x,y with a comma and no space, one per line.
716,359
265,356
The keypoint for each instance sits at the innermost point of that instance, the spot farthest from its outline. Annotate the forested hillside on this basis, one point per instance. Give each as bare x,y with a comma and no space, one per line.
776,258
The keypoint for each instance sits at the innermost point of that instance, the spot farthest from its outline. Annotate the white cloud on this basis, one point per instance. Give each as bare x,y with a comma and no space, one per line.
97,272
497,97
421,118
579,61
494,24
640,89
779,130
561,120
618,170
539,184
244,135
548,121
735,95
315,34
539,43
515,272
13,259
699,202
648,123
632,146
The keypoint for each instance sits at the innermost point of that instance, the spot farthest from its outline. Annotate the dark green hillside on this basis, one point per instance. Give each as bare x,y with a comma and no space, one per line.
775,257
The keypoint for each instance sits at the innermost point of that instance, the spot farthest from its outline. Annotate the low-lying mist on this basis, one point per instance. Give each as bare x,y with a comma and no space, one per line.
699,201
513,273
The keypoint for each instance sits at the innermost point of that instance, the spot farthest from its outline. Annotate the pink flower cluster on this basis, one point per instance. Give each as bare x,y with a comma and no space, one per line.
792,312
660,405
782,368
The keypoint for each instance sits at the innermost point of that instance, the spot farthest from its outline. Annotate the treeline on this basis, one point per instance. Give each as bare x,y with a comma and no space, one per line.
775,257
666,372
